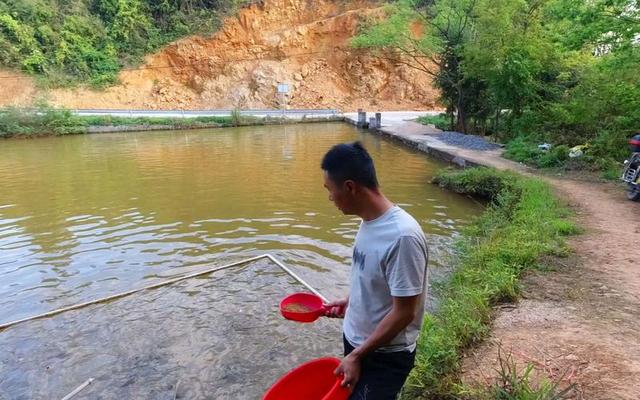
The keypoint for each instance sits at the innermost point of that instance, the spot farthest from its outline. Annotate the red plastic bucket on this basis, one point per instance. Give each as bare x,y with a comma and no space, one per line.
313,380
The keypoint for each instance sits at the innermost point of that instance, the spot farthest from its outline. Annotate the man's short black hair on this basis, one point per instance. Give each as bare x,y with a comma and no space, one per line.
350,161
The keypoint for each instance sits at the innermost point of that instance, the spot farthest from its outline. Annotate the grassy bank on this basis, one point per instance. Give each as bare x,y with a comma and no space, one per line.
160,121
523,222
49,121
43,121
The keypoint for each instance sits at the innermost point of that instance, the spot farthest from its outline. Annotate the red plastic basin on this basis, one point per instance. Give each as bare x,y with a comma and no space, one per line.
310,381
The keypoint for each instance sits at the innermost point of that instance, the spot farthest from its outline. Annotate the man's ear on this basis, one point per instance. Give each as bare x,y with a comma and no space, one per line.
350,187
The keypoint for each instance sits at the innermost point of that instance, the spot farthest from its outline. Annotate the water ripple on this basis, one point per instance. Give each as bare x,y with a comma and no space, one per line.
85,217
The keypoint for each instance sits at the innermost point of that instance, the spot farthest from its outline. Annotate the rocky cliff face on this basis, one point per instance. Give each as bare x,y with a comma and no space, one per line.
301,42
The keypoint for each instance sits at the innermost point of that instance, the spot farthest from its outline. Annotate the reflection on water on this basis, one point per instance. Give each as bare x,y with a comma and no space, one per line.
87,216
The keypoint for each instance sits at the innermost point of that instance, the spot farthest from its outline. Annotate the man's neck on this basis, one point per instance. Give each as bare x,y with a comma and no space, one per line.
375,205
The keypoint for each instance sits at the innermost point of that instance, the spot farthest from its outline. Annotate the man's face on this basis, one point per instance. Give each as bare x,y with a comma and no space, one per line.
341,195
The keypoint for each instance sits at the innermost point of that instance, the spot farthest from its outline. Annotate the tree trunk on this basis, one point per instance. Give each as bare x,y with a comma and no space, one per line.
451,112
461,123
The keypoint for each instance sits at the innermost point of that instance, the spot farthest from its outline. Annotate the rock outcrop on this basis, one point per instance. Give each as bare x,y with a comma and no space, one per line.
304,43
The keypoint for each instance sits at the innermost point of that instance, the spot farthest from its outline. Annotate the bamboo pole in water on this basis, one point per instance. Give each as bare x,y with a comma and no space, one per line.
165,283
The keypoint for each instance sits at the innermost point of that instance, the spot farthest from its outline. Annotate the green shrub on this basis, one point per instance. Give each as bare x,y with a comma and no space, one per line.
155,121
88,41
522,150
556,157
440,121
612,145
42,121
480,182
236,117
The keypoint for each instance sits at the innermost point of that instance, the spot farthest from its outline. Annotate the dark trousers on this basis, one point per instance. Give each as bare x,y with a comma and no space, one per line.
382,374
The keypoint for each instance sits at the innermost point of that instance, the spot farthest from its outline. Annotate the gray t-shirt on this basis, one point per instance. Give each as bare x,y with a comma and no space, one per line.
389,260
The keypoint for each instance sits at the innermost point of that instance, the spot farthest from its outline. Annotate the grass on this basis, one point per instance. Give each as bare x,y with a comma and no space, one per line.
557,158
440,121
522,150
528,152
155,121
42,121
515,383
49,121
523,223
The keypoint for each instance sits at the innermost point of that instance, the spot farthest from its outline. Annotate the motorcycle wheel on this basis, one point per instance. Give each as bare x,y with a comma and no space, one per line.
633,193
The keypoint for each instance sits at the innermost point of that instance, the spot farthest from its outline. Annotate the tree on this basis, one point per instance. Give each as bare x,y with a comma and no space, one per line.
429,36
511,54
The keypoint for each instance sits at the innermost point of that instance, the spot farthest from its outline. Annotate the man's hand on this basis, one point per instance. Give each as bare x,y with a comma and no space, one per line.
337,309
349,369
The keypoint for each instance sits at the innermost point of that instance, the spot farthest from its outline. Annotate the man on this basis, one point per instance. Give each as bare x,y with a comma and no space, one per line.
385,307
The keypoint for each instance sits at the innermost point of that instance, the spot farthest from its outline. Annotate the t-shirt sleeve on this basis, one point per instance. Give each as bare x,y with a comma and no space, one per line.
406,267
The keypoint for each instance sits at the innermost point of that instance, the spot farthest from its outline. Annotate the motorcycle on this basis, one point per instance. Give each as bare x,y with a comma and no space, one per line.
631,173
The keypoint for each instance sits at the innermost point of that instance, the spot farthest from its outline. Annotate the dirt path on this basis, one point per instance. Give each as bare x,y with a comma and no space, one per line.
580,322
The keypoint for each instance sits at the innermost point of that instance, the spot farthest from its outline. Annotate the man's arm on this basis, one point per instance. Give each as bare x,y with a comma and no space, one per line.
402,313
